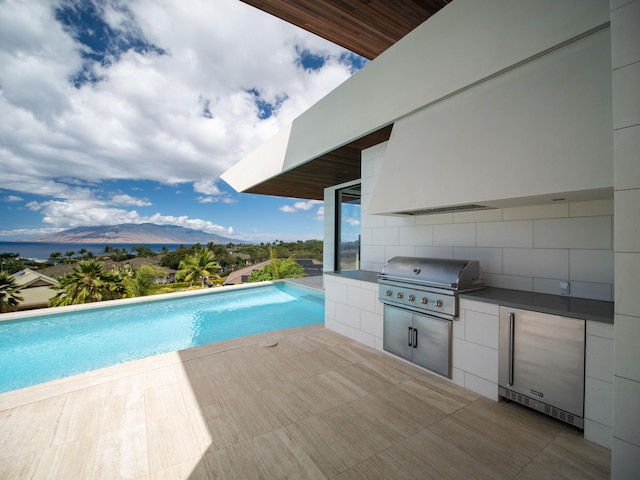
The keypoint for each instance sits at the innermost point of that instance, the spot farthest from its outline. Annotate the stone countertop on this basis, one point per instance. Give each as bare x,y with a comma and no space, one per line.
583,308
362,275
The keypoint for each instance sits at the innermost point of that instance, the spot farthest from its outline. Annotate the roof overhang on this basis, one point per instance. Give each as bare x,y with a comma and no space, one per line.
366,28
311,178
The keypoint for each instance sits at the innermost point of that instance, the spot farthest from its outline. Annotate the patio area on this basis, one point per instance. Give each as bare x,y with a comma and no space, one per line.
299,403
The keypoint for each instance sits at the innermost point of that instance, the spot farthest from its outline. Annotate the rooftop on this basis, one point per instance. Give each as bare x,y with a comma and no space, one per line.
297,403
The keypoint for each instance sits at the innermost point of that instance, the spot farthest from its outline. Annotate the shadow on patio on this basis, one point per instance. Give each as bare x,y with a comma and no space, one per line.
318,405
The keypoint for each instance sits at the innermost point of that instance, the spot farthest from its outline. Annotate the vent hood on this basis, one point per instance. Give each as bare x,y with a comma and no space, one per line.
534,134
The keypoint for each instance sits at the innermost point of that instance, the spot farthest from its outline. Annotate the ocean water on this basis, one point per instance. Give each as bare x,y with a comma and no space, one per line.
41,251
51,345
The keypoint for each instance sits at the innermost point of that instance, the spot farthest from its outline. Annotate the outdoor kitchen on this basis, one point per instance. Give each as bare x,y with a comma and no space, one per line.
525,255
491,133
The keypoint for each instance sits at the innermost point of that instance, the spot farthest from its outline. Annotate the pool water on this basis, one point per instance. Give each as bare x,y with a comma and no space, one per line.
47,347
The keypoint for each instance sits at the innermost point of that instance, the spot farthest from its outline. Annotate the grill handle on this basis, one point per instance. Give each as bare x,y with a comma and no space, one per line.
430,283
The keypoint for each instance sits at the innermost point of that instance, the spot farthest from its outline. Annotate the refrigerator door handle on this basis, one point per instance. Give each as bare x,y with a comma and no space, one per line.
410,337
512,322
415,338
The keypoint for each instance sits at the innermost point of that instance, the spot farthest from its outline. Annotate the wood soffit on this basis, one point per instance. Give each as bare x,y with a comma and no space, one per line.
310,179
365,27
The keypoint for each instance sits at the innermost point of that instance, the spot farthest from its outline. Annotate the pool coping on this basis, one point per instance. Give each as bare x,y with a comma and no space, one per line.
61,386
43,312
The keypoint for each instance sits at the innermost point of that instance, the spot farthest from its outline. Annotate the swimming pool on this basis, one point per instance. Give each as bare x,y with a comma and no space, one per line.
48,346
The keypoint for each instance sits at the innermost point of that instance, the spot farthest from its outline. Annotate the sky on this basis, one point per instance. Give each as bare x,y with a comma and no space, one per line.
128,111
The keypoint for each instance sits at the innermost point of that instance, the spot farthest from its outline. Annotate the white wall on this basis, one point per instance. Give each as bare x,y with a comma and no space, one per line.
539,131
625,60
522,248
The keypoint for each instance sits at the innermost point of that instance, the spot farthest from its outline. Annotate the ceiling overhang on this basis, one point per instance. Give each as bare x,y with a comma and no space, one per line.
334,168
365,27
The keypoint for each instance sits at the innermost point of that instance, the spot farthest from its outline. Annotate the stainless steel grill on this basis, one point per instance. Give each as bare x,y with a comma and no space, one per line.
428,284
420,297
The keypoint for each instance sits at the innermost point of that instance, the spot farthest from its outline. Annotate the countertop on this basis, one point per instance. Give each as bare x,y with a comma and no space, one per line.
583,308
362,275
596,310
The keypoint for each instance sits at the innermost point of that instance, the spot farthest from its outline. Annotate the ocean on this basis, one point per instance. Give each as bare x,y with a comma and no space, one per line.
40,251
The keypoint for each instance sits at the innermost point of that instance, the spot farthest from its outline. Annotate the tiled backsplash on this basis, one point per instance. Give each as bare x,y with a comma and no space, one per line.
523,248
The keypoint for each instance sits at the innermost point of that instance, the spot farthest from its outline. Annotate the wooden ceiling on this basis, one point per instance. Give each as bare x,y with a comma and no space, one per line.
333,168
365,27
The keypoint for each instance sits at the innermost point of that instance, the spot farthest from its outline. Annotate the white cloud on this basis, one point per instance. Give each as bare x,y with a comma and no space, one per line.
183,116
12,198
128,200
300,205
145,120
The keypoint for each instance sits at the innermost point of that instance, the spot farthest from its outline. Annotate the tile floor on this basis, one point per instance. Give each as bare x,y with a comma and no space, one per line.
316,405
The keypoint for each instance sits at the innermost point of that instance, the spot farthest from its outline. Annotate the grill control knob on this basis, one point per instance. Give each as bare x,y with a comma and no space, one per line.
399,295
388,293
412,298
438,303
424,301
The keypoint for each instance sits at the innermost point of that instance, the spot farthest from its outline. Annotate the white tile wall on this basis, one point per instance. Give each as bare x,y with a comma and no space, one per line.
352,309
625,49
475,347
525,248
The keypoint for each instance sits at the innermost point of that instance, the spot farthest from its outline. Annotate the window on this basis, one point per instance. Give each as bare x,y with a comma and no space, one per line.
347,239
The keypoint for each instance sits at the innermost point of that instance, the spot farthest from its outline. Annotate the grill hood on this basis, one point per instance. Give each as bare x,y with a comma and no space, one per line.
451,274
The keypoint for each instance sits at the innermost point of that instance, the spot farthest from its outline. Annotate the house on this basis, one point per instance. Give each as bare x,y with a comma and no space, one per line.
35,289
505,131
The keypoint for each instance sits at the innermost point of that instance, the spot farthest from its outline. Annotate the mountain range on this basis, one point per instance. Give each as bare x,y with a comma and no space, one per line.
143,233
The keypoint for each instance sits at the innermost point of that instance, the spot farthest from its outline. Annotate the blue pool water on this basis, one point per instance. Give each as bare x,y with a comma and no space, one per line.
47,347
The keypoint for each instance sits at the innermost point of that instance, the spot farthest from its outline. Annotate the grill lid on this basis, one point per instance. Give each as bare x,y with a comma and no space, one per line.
435,272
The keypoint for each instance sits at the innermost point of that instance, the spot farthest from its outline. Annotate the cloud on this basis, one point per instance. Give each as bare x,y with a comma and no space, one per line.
301,205
12,198
128,200
169,91
93,212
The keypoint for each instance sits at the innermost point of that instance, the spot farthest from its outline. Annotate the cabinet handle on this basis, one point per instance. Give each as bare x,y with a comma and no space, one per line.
410,338
415,338
512,325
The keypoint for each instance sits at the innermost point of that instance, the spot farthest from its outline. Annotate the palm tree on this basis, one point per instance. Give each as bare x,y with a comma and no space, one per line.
69,255
55,257
88,282
9,298
201,265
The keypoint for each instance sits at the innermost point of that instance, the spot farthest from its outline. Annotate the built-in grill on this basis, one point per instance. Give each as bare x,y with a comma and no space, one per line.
428,284
420,297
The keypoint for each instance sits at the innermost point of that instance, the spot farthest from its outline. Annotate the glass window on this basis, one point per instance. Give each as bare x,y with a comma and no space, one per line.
348,213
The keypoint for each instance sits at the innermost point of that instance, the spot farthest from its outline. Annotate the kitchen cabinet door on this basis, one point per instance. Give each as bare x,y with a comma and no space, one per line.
433,345
398,324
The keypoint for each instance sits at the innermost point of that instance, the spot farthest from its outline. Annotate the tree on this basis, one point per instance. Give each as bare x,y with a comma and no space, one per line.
277,270
69,254
11,263
54,257
143,251
200,265
9,290
172,259
143,278
87,283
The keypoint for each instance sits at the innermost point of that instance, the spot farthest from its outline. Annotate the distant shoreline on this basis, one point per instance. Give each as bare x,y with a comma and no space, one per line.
40,251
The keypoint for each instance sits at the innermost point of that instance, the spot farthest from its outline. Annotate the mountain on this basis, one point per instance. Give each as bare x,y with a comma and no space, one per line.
134,233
